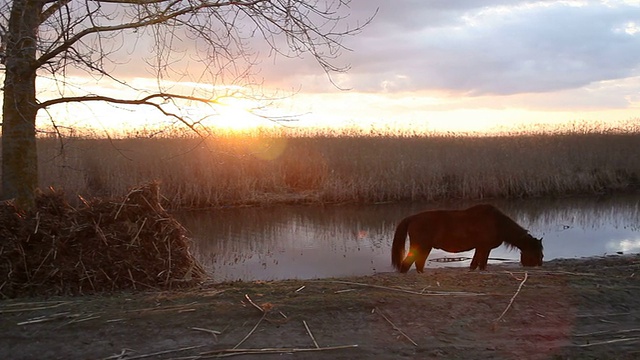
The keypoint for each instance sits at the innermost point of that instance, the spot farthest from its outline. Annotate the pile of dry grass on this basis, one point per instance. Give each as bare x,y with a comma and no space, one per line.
102,246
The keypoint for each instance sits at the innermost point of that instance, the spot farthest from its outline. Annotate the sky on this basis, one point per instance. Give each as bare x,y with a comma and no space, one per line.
454,66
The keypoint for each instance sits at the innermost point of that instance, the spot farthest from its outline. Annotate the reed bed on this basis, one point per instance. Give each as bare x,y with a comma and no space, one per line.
276,167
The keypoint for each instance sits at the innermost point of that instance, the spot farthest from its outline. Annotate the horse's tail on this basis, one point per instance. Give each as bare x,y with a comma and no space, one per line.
397,249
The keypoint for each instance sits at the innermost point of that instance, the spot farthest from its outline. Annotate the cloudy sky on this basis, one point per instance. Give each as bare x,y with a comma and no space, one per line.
469,65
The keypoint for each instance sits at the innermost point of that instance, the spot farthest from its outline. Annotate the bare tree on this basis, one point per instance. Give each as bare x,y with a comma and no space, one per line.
57,38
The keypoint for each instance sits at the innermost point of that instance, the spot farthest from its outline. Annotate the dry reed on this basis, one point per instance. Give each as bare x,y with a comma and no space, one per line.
228,170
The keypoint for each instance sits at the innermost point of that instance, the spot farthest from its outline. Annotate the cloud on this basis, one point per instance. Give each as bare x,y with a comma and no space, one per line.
472,48
481,47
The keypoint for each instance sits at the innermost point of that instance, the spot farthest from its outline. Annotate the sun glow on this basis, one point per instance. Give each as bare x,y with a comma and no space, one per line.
239,115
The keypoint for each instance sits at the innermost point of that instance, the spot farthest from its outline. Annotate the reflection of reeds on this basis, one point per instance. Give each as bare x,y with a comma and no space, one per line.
234,235
255,170
589,213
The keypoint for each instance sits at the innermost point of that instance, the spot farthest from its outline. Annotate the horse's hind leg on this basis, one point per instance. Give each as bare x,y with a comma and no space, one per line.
413,253
407,262
421,259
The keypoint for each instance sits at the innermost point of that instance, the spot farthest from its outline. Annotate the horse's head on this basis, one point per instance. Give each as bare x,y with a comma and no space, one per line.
532,255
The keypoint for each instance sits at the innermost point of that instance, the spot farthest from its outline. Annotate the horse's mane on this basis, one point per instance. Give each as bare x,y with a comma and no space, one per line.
513,235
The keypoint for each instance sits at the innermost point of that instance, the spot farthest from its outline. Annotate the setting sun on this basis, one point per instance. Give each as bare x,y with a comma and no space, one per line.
238,115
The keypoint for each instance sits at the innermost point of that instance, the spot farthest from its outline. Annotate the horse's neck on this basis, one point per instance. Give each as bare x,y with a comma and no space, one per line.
520,241
515,236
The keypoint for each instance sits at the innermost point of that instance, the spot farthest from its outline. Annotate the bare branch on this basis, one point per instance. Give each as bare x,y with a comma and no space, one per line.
132,2
57,5
305,26
153,19
147,100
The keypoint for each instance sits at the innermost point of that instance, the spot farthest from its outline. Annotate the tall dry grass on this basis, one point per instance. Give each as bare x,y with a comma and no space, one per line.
326,168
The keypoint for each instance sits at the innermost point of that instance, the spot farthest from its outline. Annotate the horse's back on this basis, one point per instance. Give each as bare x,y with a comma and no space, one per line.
455,230
460,217
482,210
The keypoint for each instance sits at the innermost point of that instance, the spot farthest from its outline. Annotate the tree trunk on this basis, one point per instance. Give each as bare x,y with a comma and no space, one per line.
19,152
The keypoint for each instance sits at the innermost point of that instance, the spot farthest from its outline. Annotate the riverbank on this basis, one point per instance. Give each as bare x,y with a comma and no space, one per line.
575,308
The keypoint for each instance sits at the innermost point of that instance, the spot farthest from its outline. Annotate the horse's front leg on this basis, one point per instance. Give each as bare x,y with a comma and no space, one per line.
474,261
480,258
484,260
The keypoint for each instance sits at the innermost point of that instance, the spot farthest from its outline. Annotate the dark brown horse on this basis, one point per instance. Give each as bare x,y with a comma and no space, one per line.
481,227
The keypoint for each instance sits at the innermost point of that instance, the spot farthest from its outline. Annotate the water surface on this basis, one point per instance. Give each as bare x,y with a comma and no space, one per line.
304,242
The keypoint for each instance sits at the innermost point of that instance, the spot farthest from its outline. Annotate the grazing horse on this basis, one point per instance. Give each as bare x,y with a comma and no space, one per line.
482,227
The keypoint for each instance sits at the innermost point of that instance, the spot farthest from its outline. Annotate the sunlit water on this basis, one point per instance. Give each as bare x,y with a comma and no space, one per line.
304,242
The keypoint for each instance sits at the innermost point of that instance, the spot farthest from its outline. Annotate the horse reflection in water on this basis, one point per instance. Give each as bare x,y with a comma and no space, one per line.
481,227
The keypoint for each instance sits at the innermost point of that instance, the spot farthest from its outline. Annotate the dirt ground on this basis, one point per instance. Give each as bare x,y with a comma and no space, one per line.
568,309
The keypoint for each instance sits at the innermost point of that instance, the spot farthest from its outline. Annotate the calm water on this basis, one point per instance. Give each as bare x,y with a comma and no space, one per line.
315,242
